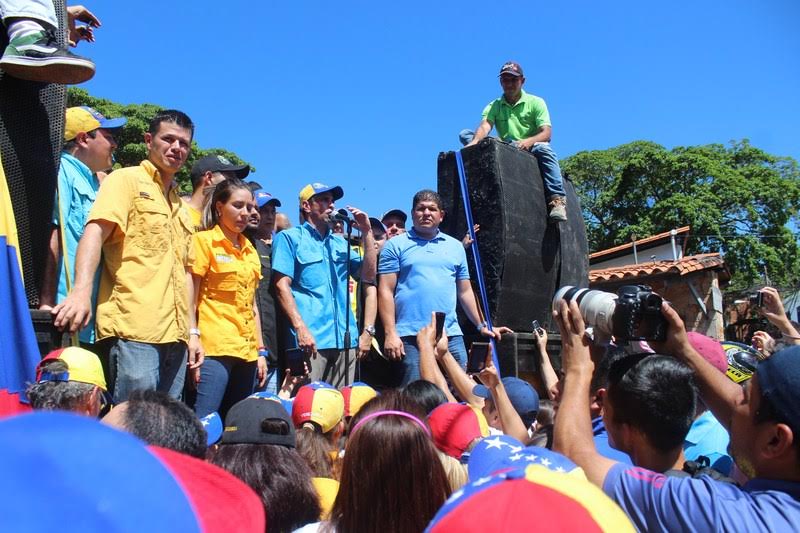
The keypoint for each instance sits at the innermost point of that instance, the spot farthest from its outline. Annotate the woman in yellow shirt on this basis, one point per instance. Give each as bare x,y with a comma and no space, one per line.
225,271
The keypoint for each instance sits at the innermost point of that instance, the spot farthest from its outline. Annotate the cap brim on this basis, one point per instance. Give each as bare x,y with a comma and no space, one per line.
510,72
270,201
242,171
396,213
113,123
481,391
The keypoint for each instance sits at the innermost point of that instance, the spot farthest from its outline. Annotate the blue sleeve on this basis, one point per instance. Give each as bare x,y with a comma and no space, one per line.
462,270
655,502
389,260
283,253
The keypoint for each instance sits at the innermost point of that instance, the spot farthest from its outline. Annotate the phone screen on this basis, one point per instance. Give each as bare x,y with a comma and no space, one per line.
439,324
297,362
477,357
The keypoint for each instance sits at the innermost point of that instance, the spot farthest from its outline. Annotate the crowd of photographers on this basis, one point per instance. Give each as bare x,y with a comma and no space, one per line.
222,363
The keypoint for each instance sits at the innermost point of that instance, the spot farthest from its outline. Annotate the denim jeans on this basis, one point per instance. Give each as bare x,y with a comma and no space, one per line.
272,384
411,360
143,366
223,382
546,159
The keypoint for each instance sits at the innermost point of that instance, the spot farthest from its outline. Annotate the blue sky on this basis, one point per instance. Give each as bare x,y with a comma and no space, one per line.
366,94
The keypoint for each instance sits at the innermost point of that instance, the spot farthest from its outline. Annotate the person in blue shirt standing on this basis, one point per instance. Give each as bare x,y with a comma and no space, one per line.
309,264
423,271
763,419
89,146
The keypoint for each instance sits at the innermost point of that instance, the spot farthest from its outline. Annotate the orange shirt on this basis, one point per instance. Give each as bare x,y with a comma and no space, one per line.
225,300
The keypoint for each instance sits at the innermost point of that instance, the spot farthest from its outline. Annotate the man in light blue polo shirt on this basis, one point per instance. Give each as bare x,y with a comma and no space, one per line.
89,146
420,272
309,264
763,418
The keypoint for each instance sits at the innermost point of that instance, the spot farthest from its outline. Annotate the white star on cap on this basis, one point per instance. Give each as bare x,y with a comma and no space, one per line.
561,470
532,458
546,462
482,481
495,443
456,495
516,457
516,449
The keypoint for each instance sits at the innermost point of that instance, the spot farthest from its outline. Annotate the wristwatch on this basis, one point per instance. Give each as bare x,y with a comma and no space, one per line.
194,331
482,325
370,329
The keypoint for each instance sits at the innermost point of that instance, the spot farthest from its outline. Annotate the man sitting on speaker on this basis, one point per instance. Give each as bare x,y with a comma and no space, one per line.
523,120
89,146
420,272
309,265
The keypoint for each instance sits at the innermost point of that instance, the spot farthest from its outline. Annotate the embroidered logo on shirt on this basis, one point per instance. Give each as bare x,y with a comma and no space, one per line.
222,258
143,194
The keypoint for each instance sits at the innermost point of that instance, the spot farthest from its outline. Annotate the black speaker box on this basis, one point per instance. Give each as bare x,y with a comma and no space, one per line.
31,137
525,257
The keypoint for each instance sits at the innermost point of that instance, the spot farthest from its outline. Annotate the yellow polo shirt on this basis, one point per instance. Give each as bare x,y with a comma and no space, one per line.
227,292
142,295
195,216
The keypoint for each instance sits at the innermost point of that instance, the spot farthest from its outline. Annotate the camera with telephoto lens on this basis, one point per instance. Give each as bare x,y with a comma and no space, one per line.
633,314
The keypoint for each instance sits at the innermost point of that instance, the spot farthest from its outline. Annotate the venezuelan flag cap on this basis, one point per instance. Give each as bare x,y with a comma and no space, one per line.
455,426
355,396
521,499
501,453
320,403
82,366
96,478
287,404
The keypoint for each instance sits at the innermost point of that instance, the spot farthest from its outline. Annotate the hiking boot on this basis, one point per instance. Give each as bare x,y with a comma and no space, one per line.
40,57
557,209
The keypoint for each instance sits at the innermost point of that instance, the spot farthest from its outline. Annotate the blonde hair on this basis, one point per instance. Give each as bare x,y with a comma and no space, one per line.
456,472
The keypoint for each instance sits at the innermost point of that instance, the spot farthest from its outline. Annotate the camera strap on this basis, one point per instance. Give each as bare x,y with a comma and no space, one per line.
462,177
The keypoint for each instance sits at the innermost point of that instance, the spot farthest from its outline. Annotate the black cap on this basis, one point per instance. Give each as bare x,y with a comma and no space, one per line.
218,163
395,213
244,423
510,67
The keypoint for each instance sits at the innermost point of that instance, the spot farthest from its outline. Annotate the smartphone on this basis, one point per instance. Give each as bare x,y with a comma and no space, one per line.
439,325
476,361
538,330
297,361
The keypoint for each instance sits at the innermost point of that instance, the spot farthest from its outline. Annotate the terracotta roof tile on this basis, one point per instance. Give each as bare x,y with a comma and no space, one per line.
639,242
681,267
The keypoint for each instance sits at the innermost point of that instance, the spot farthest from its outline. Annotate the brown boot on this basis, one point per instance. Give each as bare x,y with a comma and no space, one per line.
557,209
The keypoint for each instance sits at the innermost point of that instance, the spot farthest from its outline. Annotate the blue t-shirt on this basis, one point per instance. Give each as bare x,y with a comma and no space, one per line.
427,272
77,190
604,448
708,437
317,267
655,502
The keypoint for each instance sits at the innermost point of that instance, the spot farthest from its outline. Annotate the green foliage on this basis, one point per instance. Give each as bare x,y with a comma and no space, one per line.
132,150
739,200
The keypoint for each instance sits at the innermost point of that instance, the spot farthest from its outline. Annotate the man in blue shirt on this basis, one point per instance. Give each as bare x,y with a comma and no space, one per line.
763,418
309,264
89,146
423,271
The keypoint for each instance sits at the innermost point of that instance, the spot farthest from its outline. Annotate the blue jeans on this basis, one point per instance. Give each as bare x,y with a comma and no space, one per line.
545,157
143,366
272,384
411,360
223,382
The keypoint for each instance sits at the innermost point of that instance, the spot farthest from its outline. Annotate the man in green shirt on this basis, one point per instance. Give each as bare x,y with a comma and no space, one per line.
522,119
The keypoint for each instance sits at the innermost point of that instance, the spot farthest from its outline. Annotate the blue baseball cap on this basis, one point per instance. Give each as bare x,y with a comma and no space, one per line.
263,198
523,397
779,379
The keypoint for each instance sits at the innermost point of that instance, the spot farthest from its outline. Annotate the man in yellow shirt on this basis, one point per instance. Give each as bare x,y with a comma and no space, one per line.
139,224
207,172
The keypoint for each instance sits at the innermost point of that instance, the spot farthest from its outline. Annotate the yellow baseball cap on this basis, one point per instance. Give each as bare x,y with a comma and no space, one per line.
313,189
83,367
84,118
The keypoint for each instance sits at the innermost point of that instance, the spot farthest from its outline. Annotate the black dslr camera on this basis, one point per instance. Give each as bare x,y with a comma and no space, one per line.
638,314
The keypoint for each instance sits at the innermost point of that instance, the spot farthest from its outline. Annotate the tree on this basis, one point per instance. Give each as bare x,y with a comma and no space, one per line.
132,150
738,199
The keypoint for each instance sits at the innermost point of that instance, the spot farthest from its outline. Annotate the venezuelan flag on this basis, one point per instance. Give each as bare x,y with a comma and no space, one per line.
19,353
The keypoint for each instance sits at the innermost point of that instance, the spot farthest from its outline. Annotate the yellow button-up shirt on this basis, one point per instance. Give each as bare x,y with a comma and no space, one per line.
143,294
227,292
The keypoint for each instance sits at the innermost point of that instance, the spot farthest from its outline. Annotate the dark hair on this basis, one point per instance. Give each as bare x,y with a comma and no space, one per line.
160,420
73,143
600,375
767,412
426,394
392,478
314,448
179,118
280,478
59,395
427,195
655,394
222,193
545,418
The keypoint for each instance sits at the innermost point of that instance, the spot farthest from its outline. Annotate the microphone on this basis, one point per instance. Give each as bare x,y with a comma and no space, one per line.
342,215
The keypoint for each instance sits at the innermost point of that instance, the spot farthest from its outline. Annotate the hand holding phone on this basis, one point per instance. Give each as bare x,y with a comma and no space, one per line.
439,324
476,361
298,362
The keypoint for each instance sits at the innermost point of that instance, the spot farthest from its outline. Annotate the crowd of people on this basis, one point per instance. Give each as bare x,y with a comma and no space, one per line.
218,374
